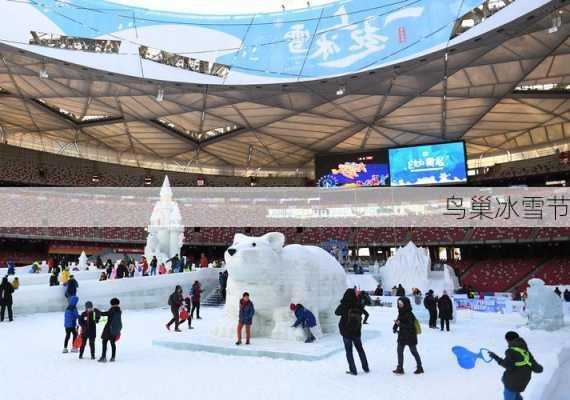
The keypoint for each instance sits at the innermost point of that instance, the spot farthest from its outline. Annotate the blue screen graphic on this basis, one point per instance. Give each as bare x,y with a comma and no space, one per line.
355,174
428,165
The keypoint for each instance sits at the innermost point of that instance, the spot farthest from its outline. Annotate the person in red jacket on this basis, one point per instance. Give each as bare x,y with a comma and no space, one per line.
203,261
144,266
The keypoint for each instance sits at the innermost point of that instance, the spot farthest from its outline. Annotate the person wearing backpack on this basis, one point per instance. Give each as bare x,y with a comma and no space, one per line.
112,329
407,327
350,326
175,301
519,365
445,307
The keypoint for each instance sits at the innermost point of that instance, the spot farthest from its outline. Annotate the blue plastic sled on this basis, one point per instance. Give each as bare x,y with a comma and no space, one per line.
467,358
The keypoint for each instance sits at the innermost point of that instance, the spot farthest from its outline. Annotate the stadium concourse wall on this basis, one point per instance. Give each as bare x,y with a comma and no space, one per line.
134,293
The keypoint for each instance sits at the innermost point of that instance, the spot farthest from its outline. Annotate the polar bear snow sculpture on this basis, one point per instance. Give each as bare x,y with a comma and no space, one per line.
276,276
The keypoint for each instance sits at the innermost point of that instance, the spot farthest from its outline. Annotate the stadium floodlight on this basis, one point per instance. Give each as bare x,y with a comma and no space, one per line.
341,90
160,94
44,73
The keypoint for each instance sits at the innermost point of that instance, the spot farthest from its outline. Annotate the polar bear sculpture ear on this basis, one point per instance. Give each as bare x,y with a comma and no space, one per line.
275,239
239,237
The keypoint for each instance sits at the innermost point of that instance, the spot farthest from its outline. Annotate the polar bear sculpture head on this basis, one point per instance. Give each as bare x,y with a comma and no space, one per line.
254,258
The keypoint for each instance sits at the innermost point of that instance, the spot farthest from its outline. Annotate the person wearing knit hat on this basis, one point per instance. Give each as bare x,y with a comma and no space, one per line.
304,318
519,364
88,322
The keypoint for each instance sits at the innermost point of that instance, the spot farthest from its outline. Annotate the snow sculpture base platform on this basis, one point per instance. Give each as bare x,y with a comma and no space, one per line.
260,347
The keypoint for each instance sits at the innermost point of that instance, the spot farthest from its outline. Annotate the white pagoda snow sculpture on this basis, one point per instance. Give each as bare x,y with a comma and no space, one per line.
165,232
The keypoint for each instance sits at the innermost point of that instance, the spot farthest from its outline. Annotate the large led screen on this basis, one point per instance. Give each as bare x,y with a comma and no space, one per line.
353,170
431,164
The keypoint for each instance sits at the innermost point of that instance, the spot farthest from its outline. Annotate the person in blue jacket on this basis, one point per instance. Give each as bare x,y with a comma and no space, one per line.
70,323
304,318
246,312
11,268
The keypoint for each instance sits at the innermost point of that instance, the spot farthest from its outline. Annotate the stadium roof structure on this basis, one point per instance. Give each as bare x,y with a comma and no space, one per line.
503,87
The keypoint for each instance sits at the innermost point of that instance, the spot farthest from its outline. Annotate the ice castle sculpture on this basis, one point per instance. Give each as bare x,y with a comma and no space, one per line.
165,232
411,266
275,276
544,308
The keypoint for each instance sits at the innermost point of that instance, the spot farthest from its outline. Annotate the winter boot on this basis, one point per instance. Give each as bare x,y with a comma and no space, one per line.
238,342
419,370
167,326
65,351
399,371
351,373
177,330
112,359
102,360
247,342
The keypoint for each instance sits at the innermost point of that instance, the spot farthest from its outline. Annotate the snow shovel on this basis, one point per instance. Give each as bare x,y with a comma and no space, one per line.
467,359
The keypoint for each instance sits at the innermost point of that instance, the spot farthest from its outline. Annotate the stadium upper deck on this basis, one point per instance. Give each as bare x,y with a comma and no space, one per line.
235,94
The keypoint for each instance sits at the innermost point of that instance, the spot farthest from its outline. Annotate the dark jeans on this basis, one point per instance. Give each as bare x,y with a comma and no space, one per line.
446,322
175,317
3,311
113,347
152,271
68,333
348,342
432,318
91,346
195,306
414,352
508,395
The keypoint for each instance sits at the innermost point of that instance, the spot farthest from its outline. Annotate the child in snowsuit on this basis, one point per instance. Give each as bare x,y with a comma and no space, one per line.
306,319
188,306
246,312
519,365
88,321
70,323
112,329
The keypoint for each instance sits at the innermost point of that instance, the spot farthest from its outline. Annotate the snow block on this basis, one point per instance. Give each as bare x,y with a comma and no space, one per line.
260,347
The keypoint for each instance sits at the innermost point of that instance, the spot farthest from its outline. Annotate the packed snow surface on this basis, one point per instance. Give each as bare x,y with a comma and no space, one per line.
33,367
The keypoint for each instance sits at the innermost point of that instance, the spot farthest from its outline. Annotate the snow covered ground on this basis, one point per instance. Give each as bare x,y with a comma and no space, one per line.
32,366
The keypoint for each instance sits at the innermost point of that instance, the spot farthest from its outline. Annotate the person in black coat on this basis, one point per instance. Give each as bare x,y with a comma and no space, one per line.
6,290
53,281
122,271
175,301
405,327
519,365
112,329
88,322
430,303
71,288
445,307
350,326
567,295
400,291
109,268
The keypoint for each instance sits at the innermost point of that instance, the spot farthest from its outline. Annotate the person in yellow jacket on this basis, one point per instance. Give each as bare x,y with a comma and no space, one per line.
64,276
